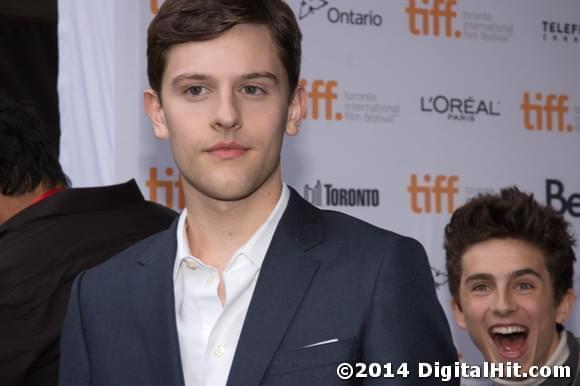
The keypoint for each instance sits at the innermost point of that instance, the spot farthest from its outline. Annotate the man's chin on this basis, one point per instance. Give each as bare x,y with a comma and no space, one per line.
228,194
230,190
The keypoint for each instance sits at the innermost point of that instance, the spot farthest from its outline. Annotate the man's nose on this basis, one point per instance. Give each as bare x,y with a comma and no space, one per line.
504,303
227,112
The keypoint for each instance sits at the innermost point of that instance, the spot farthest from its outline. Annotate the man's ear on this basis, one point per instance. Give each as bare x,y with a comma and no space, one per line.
565,306
154,109
296,111
458,314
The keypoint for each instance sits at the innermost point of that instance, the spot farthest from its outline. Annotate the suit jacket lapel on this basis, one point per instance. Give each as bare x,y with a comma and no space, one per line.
284,279
153,303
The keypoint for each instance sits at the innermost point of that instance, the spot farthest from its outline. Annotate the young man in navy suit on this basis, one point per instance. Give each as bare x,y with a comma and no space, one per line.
252,285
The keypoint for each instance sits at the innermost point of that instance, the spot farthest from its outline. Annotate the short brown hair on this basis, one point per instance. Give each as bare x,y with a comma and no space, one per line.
182,21
517,215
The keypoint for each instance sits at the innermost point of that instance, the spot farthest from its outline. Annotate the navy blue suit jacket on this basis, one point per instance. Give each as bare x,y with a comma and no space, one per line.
326,276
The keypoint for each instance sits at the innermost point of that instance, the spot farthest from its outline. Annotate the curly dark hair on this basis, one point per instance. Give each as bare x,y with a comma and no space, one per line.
182,21
27,157
517,215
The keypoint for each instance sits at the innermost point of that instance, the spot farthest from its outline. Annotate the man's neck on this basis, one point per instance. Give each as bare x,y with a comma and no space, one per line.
12,205
216,229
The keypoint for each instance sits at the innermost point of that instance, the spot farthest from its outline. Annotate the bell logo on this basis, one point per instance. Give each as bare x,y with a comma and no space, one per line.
552,108
166,185
428,20
321,90
429,198
561,203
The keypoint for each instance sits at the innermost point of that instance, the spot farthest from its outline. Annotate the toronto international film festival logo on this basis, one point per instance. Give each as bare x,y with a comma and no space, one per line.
546,112
438,196
321,92
324,99
429,19
439,19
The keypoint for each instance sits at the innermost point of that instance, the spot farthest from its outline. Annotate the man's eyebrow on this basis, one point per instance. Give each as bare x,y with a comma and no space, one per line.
526,271
479,276
193,76
256,75
513,275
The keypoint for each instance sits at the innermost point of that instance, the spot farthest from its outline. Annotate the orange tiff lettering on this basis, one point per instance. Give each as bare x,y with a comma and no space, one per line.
433,194
546,111
428,20
165,186
317,94
154,5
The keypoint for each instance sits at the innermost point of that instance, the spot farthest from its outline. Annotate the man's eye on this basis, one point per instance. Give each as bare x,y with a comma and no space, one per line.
253,90
525,286
480,288
195,90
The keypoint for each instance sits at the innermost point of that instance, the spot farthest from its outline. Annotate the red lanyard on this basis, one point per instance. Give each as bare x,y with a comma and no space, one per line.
47,194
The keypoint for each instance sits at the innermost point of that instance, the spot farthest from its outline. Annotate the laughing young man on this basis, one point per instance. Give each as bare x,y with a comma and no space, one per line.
510,263
252,285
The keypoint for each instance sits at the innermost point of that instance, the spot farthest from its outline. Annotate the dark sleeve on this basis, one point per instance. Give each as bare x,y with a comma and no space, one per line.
405,322
74,363
29,330
16,346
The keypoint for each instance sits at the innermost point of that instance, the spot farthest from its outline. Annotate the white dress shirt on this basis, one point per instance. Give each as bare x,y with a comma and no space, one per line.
209,332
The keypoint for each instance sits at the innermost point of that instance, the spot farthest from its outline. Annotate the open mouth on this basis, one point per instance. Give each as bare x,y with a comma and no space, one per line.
511,341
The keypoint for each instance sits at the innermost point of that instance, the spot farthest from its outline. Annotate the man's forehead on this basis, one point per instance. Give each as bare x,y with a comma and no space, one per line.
243,49
502,254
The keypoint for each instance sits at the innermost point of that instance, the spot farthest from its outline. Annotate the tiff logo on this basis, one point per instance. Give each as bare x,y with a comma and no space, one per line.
428,20
553,108
166,186
429,198
321,90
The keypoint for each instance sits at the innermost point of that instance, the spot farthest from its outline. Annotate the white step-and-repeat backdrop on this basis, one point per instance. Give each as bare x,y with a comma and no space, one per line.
414,106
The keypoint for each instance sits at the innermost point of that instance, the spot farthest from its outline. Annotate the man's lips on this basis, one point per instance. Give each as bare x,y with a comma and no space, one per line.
227,150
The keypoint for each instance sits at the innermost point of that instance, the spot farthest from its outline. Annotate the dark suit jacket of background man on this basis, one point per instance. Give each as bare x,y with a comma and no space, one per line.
325,276
42,249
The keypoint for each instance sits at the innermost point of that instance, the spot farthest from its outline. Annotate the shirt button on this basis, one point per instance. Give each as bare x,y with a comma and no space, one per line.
209,280
218,351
